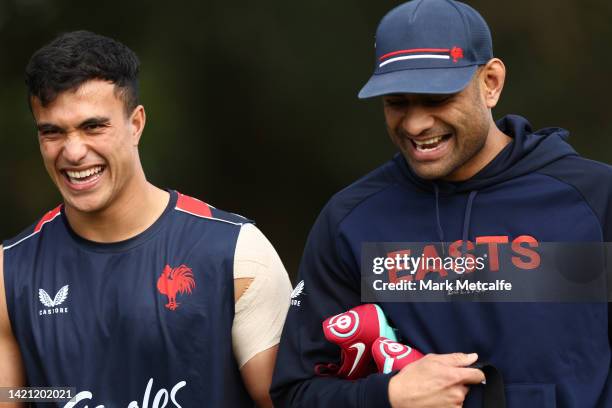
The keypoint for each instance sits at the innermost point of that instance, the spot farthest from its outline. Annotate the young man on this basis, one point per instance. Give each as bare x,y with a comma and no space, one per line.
458,177
133,295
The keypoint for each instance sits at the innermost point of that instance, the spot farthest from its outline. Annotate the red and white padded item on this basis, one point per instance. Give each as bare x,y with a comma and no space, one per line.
391,356
354,331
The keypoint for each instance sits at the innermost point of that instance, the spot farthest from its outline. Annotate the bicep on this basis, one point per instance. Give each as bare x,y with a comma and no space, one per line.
262,293
11,365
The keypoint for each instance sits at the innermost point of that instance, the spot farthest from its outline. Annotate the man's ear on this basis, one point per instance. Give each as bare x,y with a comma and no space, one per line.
137,121
492,76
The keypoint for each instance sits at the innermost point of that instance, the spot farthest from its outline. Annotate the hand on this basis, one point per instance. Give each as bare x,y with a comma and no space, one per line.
435,381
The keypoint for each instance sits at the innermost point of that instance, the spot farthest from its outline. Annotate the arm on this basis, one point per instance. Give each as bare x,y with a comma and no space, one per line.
261,294
606,396
12,373
332,285
257,376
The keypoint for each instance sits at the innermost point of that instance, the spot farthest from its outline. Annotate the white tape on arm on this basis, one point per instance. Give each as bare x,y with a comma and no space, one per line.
260,312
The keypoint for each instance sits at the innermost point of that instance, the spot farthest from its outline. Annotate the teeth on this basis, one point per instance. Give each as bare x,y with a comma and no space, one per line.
85,173
428,141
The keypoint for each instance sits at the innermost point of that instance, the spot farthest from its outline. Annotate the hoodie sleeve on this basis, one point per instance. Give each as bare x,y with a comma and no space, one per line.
607,228
328,288
606,396
594,182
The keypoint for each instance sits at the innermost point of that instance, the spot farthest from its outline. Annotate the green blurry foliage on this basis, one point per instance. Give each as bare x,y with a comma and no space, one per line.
252,106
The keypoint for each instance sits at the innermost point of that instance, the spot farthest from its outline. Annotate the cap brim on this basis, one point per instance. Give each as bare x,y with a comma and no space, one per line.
421,81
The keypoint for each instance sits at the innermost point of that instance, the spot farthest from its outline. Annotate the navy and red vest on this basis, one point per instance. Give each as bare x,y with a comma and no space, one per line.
143,323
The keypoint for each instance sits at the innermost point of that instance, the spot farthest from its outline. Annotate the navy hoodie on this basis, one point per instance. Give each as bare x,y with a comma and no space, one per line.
550,354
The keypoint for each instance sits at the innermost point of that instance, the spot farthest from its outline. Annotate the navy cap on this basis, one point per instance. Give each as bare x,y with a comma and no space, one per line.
428,46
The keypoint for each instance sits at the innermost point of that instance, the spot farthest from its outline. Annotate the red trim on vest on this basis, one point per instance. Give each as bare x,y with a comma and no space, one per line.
48,217
193,206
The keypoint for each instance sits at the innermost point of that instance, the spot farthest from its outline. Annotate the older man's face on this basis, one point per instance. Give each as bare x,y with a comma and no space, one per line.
441,136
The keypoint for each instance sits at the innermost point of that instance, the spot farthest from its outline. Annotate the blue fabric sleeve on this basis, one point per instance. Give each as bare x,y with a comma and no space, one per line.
329,288
593,181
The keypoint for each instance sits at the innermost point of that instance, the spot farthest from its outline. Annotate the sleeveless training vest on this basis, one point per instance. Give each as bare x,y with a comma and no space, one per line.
142,323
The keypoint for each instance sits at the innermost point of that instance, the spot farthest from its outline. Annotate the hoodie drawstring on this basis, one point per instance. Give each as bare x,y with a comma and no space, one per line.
440,231
466,219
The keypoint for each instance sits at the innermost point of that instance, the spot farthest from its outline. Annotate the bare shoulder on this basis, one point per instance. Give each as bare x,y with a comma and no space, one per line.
252,246
256,263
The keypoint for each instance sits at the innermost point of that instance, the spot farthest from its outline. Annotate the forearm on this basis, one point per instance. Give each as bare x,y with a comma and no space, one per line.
327,392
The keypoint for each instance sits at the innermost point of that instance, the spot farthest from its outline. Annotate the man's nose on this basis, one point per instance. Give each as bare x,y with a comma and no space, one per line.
417,120
75,148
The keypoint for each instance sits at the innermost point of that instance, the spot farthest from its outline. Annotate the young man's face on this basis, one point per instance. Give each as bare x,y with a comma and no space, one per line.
89,144
441,136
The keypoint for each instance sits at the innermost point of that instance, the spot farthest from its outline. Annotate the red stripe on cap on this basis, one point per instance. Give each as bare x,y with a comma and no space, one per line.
47,217
193,206
413,50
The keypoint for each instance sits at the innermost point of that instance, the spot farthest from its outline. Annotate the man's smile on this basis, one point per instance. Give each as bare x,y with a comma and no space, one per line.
430,148
83,179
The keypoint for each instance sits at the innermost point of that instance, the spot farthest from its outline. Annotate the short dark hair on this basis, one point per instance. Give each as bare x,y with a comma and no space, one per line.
74,58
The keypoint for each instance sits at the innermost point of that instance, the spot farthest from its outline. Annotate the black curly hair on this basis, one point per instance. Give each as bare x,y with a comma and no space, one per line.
76,57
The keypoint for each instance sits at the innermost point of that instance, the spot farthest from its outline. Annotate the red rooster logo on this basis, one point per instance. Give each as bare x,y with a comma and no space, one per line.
175,280
456,53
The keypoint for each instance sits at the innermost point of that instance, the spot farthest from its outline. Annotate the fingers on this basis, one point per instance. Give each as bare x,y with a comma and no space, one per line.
436,380
472,376
462,373
457,359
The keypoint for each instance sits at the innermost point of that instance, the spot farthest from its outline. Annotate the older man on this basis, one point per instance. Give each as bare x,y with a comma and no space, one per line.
460,177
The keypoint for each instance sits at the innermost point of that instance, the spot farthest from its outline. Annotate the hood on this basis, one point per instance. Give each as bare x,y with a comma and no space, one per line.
528,152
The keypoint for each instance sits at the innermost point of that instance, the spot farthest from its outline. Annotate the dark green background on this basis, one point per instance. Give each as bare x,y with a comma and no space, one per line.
252,105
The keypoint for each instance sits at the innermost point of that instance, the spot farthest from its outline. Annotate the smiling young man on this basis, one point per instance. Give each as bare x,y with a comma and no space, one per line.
132,295
459,177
